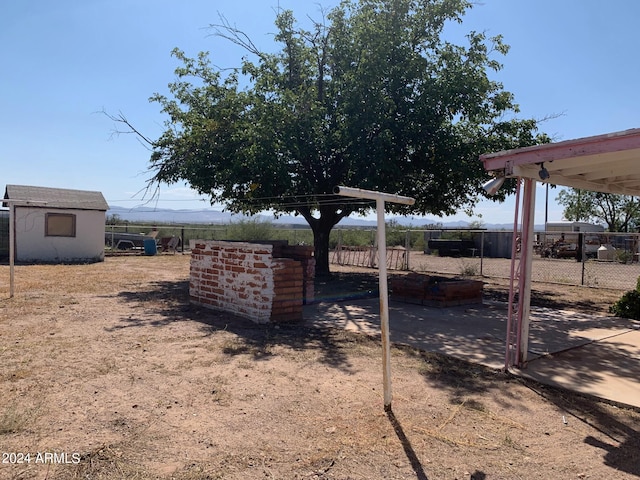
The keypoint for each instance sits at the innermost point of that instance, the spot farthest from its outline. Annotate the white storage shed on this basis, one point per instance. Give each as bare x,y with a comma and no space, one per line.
55,225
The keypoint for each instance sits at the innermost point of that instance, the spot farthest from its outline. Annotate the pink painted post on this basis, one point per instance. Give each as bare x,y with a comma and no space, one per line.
526,254
520,281
508,361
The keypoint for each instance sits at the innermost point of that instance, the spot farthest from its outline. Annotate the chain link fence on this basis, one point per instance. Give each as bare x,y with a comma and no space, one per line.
605,260
130,237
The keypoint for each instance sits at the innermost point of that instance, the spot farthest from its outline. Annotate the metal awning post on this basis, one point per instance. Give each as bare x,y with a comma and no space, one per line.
12,247
518,320
526,256
12,232
380,199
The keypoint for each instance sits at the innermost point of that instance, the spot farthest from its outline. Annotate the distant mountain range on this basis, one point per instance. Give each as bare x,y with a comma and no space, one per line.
216,217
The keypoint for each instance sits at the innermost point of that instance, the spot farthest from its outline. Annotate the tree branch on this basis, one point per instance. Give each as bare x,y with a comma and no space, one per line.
152,190
225,30
145,141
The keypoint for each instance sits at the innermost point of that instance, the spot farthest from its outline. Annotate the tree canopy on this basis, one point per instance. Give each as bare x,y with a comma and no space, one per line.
620,213
369,96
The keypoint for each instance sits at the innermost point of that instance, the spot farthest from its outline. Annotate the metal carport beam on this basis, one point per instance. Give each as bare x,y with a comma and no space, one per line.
602,163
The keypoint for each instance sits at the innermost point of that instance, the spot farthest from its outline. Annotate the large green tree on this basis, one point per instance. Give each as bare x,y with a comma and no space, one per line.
620,213
368,96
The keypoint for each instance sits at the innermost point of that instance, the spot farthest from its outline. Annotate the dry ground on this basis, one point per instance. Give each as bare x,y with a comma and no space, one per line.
110,368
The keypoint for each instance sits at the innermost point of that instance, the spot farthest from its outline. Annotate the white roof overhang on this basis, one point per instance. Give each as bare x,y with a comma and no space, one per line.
607,163
604,163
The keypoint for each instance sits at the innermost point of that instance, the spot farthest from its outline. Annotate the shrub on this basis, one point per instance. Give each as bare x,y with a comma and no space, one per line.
629,304
353,237
468,269
622,256
250,229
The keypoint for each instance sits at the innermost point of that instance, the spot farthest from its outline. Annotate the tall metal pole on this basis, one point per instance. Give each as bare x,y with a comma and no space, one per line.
380,198
12,247
12,232
384,303
546,207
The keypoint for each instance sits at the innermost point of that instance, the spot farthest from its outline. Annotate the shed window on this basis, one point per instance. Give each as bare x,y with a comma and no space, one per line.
60,225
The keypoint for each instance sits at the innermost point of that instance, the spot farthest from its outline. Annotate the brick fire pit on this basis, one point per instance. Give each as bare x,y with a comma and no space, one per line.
434,291
266,282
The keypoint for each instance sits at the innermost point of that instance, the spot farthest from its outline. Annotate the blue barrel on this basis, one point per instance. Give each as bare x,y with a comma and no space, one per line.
150,247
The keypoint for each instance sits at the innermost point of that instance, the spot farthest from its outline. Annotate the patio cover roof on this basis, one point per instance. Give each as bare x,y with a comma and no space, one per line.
605,163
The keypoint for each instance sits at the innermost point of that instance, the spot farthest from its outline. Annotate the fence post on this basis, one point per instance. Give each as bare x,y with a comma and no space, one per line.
481,252
407,249
372,252
581,255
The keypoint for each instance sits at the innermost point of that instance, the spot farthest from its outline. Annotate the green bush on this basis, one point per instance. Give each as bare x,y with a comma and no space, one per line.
417,241
250,229
629,304
293,235
622,256
354,237
396,234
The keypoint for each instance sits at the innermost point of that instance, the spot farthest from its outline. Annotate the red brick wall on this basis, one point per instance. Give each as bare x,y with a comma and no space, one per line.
287,288
250,280
303,254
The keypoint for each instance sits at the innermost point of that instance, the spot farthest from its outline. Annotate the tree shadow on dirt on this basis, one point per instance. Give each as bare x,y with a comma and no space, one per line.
616,430
553,300
339,287
462,379
167,302
615,433
547,297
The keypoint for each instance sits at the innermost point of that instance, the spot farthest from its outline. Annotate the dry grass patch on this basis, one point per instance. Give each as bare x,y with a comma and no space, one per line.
143,385
16,417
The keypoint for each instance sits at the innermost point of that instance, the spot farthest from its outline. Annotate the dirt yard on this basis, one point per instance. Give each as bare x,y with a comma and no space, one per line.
107,372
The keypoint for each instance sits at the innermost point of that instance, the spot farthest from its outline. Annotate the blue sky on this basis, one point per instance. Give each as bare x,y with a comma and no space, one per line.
66,61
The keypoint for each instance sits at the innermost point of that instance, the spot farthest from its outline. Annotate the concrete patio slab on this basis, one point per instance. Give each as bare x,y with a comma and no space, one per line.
595,355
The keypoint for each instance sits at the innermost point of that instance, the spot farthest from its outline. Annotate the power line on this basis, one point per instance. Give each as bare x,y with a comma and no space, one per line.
283,201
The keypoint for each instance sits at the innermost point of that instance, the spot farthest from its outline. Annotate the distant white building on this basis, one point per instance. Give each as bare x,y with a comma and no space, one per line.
56,225
573,227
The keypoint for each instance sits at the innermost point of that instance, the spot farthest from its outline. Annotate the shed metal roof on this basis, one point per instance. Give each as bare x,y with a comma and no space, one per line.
56,197
604,163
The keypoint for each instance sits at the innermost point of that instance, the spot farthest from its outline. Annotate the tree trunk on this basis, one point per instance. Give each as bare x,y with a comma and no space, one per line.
321,228
321,250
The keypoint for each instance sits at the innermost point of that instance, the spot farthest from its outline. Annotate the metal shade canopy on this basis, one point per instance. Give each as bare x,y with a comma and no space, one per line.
607,163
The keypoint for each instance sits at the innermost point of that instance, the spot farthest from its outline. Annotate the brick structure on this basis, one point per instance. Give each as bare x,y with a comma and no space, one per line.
435,291
304,255
265,282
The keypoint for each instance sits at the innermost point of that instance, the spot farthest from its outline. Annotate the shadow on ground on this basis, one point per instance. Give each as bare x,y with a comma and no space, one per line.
167,302
621,442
